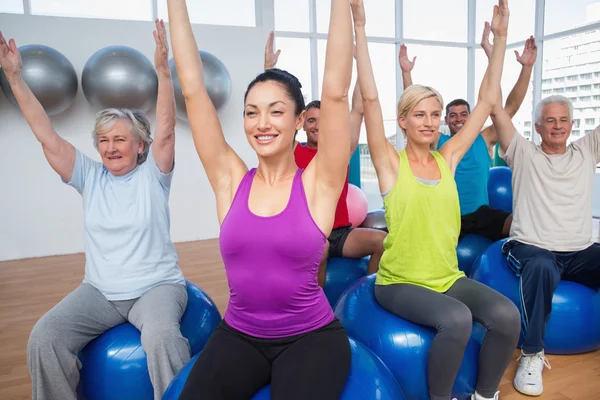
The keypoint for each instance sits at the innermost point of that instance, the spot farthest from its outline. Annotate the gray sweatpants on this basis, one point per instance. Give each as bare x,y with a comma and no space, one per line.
452,314
61,333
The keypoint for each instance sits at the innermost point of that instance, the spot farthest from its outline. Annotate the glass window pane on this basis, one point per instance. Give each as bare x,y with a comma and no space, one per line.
562,15
295,58
221,12
510,75
380,17
522,19
447,23
139,10
291,15
11,6
571,65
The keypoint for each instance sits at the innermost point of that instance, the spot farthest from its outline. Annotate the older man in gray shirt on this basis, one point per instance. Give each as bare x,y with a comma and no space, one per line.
551,234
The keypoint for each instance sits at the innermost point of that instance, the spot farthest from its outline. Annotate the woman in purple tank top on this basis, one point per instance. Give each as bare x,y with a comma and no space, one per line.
275,220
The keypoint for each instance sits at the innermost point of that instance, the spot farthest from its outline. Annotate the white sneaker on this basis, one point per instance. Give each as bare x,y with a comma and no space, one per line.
528,379
477,396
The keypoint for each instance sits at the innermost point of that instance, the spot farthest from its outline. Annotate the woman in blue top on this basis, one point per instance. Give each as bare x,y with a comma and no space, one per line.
131,271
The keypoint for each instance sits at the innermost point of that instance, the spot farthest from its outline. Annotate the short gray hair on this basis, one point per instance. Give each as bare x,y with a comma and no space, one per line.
137,120
555,99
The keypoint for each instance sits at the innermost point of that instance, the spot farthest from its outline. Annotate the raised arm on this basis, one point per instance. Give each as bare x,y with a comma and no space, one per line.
223,167
59,153
271,57
356,117
383,154
517,94
489,92
163,146
406,66
331,161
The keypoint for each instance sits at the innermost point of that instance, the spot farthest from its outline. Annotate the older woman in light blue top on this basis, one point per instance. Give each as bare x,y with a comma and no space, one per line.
131,272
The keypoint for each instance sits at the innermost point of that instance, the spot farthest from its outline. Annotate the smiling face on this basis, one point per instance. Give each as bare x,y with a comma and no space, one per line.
270,119
456,118
554,127
119,148
311,126
422,123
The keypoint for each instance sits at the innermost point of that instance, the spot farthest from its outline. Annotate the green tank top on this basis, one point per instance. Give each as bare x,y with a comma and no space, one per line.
424,224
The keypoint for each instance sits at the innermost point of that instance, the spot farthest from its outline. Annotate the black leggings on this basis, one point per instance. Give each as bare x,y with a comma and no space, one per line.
452,314
234,366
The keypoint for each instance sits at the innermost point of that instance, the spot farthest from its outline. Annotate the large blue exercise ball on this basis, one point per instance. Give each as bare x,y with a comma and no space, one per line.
574,324
341,274
402,345
469,248
369,379
216,79
114,364
119,77
50,76
500,189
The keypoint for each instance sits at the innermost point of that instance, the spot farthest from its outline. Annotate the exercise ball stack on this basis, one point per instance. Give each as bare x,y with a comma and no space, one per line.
50,76
375,220
574,324
114,364
216,79
341,274
469,248
119,77
402,345
369,379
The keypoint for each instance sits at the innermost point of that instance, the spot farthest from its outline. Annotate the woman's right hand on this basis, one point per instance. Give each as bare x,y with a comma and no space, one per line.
10,58
271,57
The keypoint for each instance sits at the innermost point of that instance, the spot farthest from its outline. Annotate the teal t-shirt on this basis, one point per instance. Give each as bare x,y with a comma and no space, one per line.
472,175
128,248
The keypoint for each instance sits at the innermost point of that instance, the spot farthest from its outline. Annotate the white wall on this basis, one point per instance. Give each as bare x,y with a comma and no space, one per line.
39,215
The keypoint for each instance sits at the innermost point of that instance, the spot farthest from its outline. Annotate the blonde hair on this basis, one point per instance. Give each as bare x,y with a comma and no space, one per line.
412,96
137,121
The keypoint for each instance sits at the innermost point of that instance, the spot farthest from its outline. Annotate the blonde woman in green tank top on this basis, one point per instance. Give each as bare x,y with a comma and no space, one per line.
418,278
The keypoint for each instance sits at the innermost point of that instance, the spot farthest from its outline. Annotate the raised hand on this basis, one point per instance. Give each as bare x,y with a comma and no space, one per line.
10,58
529,55
161,53
358,13
500,19
485,40
271,57
405,64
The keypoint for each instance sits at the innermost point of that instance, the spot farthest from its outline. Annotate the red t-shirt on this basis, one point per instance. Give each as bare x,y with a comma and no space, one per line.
303,156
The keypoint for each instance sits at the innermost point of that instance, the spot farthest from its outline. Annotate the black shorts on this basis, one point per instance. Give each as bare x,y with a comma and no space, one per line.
337,238
485,221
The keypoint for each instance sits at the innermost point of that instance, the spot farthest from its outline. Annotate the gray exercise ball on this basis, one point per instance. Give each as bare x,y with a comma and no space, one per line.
216,79
119,77
50,76
375,220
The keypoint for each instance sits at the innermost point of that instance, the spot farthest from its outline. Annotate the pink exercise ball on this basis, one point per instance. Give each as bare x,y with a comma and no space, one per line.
357,205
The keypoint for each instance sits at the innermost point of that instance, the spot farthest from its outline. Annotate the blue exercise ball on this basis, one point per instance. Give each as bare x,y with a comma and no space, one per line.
500,189
119,77
216,79
114,364
341,274
402,346
369,379
50,76
574,324
469,249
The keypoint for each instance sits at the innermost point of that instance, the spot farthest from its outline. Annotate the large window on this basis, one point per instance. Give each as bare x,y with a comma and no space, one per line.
522,19
11,6
221,12
140,10
563,15
291,15
380,14
440,20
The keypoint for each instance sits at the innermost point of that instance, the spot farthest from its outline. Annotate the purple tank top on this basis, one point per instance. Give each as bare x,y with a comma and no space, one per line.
271,265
